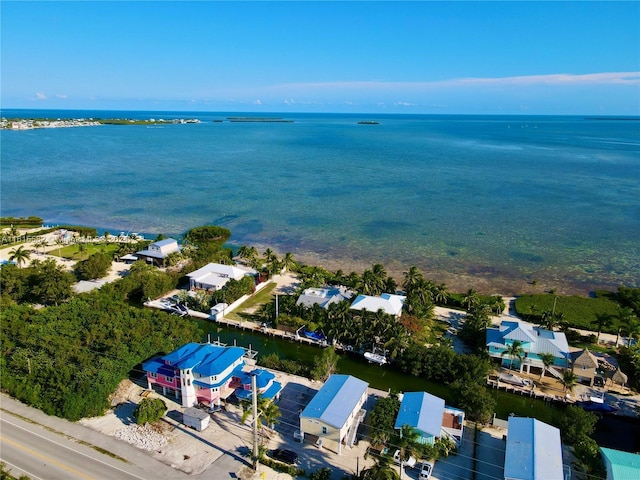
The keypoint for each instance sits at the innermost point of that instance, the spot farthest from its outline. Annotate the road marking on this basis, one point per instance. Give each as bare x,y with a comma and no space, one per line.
95,459
45,458
14,467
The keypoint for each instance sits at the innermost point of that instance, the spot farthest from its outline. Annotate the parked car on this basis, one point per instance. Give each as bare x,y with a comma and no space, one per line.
286,456
410,462
425,470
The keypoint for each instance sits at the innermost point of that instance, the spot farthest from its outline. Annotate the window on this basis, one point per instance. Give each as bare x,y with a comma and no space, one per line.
153,375
324,430
188,382
168,379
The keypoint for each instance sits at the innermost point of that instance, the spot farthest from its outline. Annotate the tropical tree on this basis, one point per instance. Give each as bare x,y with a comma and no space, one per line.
632,329
602,320
268,412
407,443
569,380
514,351
381,470
548,320
547,359
624,316
470,299
411,277
326,364
288,262
440,294
19,255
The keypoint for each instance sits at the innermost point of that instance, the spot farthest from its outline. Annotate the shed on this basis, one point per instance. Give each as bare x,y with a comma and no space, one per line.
195,418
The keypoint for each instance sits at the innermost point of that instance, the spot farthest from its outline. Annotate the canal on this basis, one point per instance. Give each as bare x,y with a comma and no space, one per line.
379,377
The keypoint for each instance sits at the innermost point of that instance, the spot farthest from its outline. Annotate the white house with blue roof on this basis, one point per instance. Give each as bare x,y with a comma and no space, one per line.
533,451
534,341
196,373
334,413
430,417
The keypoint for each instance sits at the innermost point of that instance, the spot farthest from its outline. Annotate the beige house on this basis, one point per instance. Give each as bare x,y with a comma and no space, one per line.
332,417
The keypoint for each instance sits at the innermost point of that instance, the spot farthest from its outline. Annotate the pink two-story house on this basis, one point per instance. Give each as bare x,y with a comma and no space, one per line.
196,373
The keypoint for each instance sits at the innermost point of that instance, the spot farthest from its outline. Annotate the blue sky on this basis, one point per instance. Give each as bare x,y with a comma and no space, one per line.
394,57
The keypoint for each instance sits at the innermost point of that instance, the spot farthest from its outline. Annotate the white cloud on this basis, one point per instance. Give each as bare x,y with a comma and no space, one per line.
61,95
41,96
405,104
257,102
606,78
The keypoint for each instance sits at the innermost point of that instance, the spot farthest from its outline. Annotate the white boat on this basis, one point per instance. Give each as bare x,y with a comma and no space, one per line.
375,358
514,380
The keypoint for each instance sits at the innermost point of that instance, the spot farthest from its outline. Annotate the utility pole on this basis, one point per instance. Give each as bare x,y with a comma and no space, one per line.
254,397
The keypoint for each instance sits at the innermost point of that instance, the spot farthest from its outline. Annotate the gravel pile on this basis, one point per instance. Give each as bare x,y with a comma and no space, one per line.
141,436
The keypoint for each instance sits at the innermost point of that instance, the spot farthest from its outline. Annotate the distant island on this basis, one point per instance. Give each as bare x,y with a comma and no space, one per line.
33,123
368,122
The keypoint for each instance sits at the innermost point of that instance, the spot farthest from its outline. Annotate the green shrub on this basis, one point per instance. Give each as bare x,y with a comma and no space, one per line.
149,410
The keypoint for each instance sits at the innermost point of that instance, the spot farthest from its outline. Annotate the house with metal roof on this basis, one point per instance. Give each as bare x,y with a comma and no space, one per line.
266,385
387,302
533,451
196,373
621,465
214,276
324,296
156,252
334,413
429,417
534,341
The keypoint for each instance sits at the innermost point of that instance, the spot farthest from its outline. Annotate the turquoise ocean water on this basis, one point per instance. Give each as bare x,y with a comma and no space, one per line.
491,202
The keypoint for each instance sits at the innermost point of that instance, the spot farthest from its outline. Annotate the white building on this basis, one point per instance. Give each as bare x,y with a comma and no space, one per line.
214,276
387,302
334,413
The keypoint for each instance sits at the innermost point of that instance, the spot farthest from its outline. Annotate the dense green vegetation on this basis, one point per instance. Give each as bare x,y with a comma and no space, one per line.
95,266
149,410
577,312
30,221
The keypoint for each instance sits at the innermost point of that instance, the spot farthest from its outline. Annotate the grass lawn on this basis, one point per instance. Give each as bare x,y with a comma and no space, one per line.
73,252
580,312
260,298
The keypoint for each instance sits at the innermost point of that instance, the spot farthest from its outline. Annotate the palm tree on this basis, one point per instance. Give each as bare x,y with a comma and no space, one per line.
623,317
632,329
470,299
440,294
569,380
547,359
19,255
411,277
513,351
407,443
288,262
381,470
548,320
602,320
268,412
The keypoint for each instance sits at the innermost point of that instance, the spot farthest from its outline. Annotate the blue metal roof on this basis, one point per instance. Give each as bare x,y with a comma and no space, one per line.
336,400
624,465
217,361
422,411
263,377
234,373
205,359
534,451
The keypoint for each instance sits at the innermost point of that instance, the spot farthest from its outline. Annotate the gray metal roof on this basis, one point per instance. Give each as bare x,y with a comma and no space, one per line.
336,400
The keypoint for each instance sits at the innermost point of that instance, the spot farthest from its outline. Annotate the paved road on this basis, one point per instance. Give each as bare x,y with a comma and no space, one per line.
29,449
